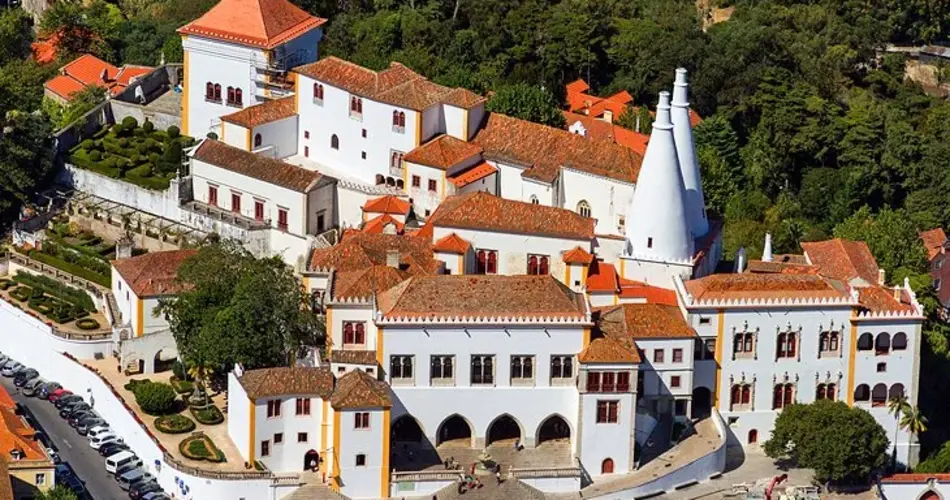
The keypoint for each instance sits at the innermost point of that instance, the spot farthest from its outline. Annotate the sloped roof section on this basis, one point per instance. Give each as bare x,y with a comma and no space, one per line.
442,152
608,350
362,284
256,166
642,321
388,204
934,241
766,286
483,211
285,381
452,243
259,114
843,259
153,273
357,390
577,255
256,23
359,250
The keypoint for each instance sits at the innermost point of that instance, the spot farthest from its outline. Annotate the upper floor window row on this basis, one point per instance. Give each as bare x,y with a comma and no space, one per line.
883,343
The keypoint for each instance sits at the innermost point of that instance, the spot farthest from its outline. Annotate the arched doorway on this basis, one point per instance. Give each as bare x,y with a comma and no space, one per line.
311,460
504,428
406,430
930,495
160,363
702,402
554,428
753,436
455,430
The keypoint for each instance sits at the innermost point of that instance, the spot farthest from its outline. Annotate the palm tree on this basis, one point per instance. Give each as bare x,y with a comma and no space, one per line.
201,373
914,421
897,406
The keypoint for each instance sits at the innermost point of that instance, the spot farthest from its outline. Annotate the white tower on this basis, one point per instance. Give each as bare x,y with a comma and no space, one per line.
686,151
767,249
657,228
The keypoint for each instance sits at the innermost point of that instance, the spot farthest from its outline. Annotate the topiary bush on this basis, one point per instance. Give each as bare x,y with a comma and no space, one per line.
213,136
5,283
173,132
117,129
200,447
153,158
87,144
124,142
87,323
95,155
210,415
155,398
21,293
142,149
174,424
148,127
129,123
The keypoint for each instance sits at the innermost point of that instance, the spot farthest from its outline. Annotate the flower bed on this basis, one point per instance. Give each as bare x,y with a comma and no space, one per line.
174,424
71,268
21,293
49,286
210,415
200,447
6,283
183,387
87,324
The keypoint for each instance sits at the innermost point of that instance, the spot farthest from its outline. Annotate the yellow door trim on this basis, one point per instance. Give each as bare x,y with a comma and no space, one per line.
140,321
335,485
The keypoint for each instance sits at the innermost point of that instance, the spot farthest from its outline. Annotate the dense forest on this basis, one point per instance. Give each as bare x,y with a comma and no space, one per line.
810,130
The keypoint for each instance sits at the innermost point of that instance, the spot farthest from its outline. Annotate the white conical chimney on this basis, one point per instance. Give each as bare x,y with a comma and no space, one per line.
686,151
656,220
767,250
740,260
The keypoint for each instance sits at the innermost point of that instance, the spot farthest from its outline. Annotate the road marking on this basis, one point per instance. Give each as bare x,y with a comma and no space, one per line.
67,444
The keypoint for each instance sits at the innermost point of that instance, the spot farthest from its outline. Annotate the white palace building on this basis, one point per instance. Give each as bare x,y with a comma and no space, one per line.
493,283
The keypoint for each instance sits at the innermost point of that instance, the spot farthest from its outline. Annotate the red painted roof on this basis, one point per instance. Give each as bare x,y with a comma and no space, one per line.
257,23
934,240
88,70
602,277
388,204
443,152
64,86
377,225
577,255
452,243
476,173
651,294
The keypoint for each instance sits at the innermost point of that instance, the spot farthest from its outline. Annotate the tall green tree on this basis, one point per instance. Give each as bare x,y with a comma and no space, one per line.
891,236
528,102
59,492
16,34
26,158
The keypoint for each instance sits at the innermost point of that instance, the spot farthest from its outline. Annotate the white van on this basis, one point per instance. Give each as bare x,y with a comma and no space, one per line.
121,459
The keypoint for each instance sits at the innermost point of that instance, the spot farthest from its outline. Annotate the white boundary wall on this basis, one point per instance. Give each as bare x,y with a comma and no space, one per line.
160,203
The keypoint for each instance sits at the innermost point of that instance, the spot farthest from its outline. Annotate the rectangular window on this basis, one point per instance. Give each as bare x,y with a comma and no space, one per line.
675,381
593,381
354,333
303,406
522,370
538,265
282,219
363,154
278,438
361,460
258,209
302,437
265,448
236,203
607,412
361,420
562,369
608,382
400,368
306,134
213,195
416,181
433,186
321,223
306,151
703,320
658,355
486,262
273,408
483,369
364,133
442,370
623,382
677,355
40,479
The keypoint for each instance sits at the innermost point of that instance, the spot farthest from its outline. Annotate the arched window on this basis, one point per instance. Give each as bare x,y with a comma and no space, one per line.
543,266
746,394
896,391
334,142
317,91
821,392
400,183
481,262
862,393
238,97
607,466
492,267
230,95
879,395
832,392
882,344
380,180
833,341
753,436
786,345
823,342
258,140
583,208
360,335
359,106
402,119
735,395
209,91
744,343
783,395
217,92
395,118
390,181
353,104
534,200
741,394
899,342
865,342
348,333
533,265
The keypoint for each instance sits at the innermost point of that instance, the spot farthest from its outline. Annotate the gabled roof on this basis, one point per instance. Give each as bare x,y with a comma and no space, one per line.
153,273
452,243
285,381
256,166
363,283
842,259
353,357
443,152
388,204
255,23
483,211
16,434
577,255
934,241
378,224
359,250
476,173
645,321
602,277
88,70
883,300
481,296
357,390
259,114
608,350
766,286
599,130
543,150
630,289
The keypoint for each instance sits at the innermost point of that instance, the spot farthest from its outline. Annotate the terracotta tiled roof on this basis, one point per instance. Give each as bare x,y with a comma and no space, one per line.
87,70
879,299
16,434
602,277
577,86
378,224
44,51
473,174
257,23
127,73
357,390
599,130
544,150
256,166
153,273
642,321
842,259
766,286
353,357
259,114
362,250
934,241
916,478
452,243
284,381
783,263
463,98
651,294
481,296
362,284
443,152
388,204
577,255
6,487
64,86
608,350
482,211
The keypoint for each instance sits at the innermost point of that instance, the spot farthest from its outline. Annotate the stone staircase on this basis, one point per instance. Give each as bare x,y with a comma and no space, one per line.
491,489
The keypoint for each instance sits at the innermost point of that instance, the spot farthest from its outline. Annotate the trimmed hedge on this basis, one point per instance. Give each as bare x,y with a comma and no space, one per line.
55,288
87,324
21,293
73,269
6,283
200,447
155,398
174,424
208,416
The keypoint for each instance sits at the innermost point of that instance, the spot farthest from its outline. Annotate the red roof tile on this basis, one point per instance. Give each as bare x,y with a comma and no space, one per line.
388,204
452,243
357,390
16,434
64,86
766,286
364,283
44,51
608,350
463,98
651,294
482,211
257,23
934,241
544,150
88,70
916,478
602,277
259,114
443,152
599,130
153,273
474,174
640,321
882,300
577,255
128,73
378,224
362,250
284,381
842,259
256,166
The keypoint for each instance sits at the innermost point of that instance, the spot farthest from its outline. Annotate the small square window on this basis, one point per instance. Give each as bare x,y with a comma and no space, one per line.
649,242
364,133
265,448
279,438
658,355
416,181
433,186
306,134
361,460
428,212
677,355
881,367
302,437
704,320
363,154
340,369
675,381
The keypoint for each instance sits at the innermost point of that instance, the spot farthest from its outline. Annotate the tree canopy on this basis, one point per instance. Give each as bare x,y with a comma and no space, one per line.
842,444
26,158
527,102
240,309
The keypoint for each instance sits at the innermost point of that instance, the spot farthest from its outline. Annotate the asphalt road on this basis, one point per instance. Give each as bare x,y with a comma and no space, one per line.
72,448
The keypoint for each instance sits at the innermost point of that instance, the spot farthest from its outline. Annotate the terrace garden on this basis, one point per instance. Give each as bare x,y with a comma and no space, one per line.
141,155
56,301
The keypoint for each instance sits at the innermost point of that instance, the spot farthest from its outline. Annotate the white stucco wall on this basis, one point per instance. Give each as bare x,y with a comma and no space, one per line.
424,200
600,441
160,203
234,135
289,455
456,121
278,138
608,198
239,416
363,481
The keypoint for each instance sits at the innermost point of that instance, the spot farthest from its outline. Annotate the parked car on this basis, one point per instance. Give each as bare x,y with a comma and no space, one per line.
137,491
48,388
77,406
11,369
131,477
3,358
25,376
125,469
98,431
57,394
156,495
102,439
112,448
66,400
83,426
76,485
120,460
77,413
32,388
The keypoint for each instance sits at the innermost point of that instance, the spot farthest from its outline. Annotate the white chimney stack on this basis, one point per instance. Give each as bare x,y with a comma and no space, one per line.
767,251
880,276
392,258
686,151
740,260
